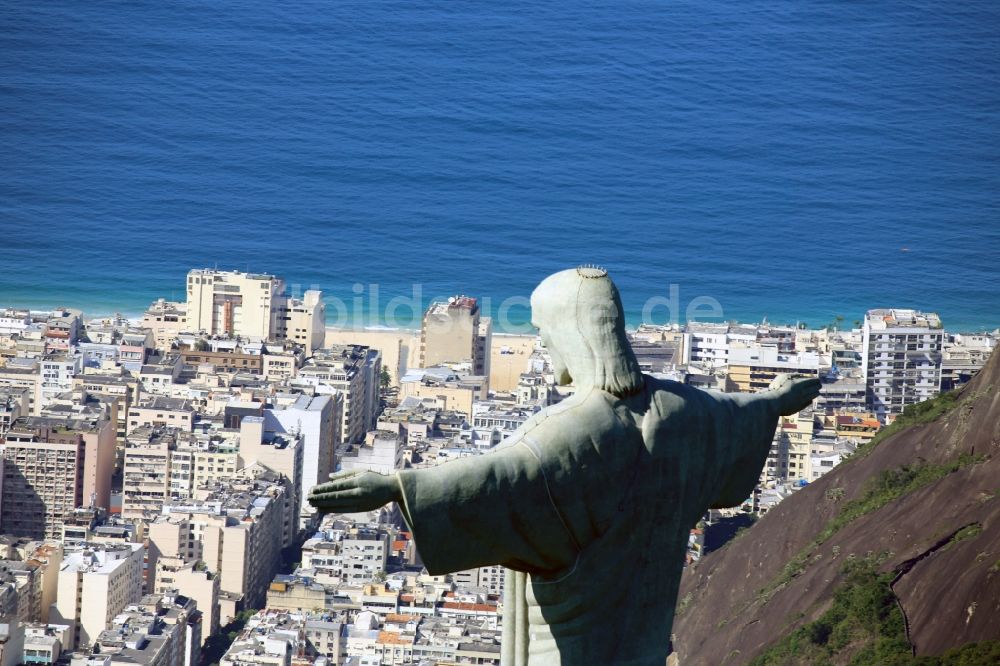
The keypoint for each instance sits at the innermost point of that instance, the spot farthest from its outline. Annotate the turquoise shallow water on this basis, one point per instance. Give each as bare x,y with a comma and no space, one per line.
791,160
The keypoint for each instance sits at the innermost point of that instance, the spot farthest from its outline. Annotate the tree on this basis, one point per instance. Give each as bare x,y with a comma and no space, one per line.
386,379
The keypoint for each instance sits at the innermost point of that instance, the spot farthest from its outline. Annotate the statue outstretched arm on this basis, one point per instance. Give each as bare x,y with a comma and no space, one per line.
477,511
754,419
490,509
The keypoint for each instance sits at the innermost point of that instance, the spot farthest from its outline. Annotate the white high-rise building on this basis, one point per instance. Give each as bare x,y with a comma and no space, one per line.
900,359
317,420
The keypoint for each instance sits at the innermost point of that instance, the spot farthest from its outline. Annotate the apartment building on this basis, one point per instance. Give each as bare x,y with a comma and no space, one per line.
276,637
901,359
234,528
304,321
454,332
364,554
57,373
20,592
52,466
194,580
233,303
96,581
381,452
752,369
317,420
165,320
353,371
158,410
156,631
708,344
282,454
123,388
963,356
450,390
22,374
788,459
14,403
146,472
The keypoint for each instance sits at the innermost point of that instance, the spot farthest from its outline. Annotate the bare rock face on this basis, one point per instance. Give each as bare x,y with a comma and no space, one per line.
924,502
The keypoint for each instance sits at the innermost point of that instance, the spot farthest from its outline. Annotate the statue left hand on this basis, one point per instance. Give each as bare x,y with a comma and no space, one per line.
354,492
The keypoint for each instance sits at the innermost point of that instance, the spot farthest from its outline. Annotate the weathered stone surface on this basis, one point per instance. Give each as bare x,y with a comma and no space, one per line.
950,595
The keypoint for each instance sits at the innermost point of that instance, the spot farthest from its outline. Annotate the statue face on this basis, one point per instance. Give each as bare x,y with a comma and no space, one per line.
559,368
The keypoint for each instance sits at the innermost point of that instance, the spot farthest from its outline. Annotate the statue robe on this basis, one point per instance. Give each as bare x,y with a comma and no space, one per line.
590,504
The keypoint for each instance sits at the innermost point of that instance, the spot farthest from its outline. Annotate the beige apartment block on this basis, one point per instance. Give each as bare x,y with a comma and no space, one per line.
450,390
52,466
124,388
14,403
454,332
160,411
354,371
278,366
193,579
214,465
234,528
399,348
146,472
156,631
233,303
21,591
22,374
224,360
250,306
165,319
47,556
282,454
304,321
788,460
510,357
96,581
296,595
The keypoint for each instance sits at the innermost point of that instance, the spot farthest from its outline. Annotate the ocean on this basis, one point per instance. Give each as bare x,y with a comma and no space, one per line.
784,160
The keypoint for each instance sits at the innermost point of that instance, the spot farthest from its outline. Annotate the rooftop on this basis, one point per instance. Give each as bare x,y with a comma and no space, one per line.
166,403
883,318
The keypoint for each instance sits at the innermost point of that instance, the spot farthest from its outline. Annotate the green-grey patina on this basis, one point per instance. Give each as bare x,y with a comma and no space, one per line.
590,503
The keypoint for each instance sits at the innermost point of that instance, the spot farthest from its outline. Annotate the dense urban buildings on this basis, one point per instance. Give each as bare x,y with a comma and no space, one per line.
155,473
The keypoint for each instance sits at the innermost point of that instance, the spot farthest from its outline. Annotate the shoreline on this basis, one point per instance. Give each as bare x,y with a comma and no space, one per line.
135,317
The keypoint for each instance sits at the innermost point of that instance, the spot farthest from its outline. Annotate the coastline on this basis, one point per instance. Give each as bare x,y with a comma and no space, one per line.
135,316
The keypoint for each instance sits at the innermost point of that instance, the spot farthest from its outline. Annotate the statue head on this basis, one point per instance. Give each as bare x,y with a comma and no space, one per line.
581,322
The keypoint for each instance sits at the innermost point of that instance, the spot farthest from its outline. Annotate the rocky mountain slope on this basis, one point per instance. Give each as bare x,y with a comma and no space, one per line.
894,553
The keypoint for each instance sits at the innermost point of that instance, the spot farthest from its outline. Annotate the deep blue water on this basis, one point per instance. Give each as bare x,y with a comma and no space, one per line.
775,156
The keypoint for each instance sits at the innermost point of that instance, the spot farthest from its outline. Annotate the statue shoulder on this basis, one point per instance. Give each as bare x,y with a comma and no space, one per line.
670,401
579,417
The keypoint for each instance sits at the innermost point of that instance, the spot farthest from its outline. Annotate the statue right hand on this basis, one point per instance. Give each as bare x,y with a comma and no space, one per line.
354,492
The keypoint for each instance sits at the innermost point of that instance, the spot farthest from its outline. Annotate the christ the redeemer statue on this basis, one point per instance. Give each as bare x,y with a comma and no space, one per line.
590,503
